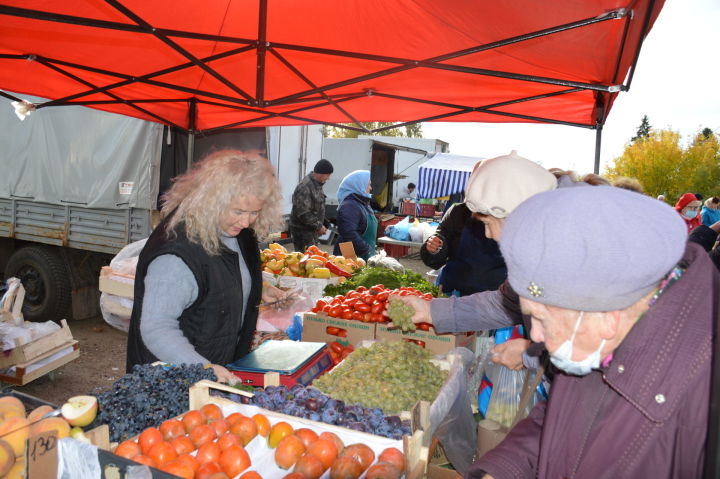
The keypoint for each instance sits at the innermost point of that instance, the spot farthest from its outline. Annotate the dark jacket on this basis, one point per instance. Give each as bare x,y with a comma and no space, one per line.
351,222
308,205
706,237
644,415
214,324
473,266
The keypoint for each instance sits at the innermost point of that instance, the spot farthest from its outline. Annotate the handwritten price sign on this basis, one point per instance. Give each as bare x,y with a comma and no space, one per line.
42,455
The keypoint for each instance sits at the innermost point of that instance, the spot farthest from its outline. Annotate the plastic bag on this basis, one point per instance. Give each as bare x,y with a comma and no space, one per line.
382,260
399,231
270,319
77,460
116,311
416,231
125,262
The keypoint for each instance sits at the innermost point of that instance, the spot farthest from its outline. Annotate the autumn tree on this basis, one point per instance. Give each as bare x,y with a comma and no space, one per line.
664,166
409,131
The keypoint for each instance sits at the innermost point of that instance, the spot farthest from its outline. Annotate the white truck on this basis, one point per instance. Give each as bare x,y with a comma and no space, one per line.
77,184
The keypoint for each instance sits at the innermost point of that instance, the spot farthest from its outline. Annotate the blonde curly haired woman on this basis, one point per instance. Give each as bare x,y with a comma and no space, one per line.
198,282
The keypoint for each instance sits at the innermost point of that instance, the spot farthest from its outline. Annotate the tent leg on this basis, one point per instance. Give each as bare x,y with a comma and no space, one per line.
190,149
598,143
192,113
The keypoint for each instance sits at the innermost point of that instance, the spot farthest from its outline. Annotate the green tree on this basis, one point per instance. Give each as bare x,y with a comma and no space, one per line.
664,166
409,131
643,130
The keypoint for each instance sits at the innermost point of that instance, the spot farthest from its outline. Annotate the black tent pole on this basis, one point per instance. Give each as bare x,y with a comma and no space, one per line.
598,142
192,112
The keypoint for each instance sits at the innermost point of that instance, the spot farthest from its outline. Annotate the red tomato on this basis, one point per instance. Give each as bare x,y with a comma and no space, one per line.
350,302
377,308
320,303
346,313
357,316
383,296
427,296
326,309
336,311
376,318
361,289
337,347
368,299
362,307
332,330
342,333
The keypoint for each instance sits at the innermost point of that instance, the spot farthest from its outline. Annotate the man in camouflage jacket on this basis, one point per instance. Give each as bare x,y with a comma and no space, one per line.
307,218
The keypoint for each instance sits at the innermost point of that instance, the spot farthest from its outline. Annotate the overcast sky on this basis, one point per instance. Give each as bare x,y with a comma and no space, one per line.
676,83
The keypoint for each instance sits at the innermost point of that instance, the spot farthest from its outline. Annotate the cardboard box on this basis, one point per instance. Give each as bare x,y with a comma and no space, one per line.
312,287
437,343
115,283
315,329
27,352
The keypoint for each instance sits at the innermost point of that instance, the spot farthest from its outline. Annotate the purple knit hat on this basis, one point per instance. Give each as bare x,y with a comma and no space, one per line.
593,248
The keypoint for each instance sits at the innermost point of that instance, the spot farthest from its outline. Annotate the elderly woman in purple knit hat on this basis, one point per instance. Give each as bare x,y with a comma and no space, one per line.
627,310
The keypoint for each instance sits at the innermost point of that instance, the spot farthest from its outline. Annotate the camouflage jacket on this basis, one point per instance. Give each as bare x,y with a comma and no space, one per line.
308,205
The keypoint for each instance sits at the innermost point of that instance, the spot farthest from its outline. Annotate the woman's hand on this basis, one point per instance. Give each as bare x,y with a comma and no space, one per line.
421,307
223,375
434,244
270,293
509,353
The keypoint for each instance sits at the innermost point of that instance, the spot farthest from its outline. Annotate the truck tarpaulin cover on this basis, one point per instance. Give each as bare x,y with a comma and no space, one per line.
237,63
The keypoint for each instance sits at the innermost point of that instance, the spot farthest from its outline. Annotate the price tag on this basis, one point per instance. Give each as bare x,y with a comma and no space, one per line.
42,456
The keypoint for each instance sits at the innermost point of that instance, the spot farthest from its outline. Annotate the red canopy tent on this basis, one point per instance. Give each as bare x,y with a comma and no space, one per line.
204,66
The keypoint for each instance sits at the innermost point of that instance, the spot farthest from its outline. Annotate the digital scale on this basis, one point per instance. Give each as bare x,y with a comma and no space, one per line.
295,362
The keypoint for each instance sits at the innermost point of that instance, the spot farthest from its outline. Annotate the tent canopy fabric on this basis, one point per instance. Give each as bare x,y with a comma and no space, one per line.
202,66
444,174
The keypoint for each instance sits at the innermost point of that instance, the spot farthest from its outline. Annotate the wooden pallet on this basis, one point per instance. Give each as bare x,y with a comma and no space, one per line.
25,353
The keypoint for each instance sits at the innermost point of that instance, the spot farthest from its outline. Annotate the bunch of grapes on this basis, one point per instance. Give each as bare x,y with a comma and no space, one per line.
146,397
400,314
392,376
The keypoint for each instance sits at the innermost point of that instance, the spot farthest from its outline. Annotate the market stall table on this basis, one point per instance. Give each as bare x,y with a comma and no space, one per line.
400,248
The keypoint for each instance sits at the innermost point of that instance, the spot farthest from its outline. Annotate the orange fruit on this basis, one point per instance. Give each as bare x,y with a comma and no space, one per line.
178,468
263,425
128,449
325,450
277,432
221,426
308,436
288,451
162,452
202,434
245,428
234,460
228,439
233,417
345,467
209,452
361,453
182,445
189,460
212,412
148,438
205,471
309,466
393,456
171,429
143,459
193,419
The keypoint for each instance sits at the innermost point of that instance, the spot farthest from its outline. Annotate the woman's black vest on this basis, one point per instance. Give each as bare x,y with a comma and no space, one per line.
212,323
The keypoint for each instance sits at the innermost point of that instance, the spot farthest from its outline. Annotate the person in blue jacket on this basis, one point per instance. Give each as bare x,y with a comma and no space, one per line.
355,219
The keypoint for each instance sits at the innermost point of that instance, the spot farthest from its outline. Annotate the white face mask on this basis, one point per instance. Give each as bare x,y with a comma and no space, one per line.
562,357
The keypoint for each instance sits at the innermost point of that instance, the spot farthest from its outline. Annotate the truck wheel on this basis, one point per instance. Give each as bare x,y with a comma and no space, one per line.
45,278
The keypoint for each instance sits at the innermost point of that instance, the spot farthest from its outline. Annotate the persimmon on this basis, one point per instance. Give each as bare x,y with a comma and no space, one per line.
128,449
245,428
148,438
143,459
288,451
325,450
393,456
251,475
193,419
277,432
209,452
171,429
202,434
234,460
308,436
362,453
182,445
294,475
228,439
205,471
345,467
221,426
234,417
162,452
212,412
178,468
263,425
331,436
383,470
190,461
309,466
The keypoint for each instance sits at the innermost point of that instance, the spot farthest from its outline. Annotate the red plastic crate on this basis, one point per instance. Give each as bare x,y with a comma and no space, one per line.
415,209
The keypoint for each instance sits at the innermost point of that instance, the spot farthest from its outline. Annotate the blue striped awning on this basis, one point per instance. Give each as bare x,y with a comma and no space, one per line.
444,174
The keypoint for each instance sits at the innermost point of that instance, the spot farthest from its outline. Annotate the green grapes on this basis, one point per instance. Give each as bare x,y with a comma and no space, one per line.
390,375
400,314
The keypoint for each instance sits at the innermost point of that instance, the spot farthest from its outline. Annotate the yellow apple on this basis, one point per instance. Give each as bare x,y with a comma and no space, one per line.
80,410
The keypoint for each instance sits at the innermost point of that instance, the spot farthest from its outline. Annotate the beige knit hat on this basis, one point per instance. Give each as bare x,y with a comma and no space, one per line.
498,185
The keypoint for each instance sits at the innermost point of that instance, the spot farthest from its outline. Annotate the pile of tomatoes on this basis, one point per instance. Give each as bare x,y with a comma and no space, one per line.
363,304
338,352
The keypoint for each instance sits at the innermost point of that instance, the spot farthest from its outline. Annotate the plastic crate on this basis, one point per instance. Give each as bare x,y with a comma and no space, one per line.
415,209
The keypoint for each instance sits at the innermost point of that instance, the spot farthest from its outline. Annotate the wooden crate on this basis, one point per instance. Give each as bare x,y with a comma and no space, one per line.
27,352
24,373
416,447
108,284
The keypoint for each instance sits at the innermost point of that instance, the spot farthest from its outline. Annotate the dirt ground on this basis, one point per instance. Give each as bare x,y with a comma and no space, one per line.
102,357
